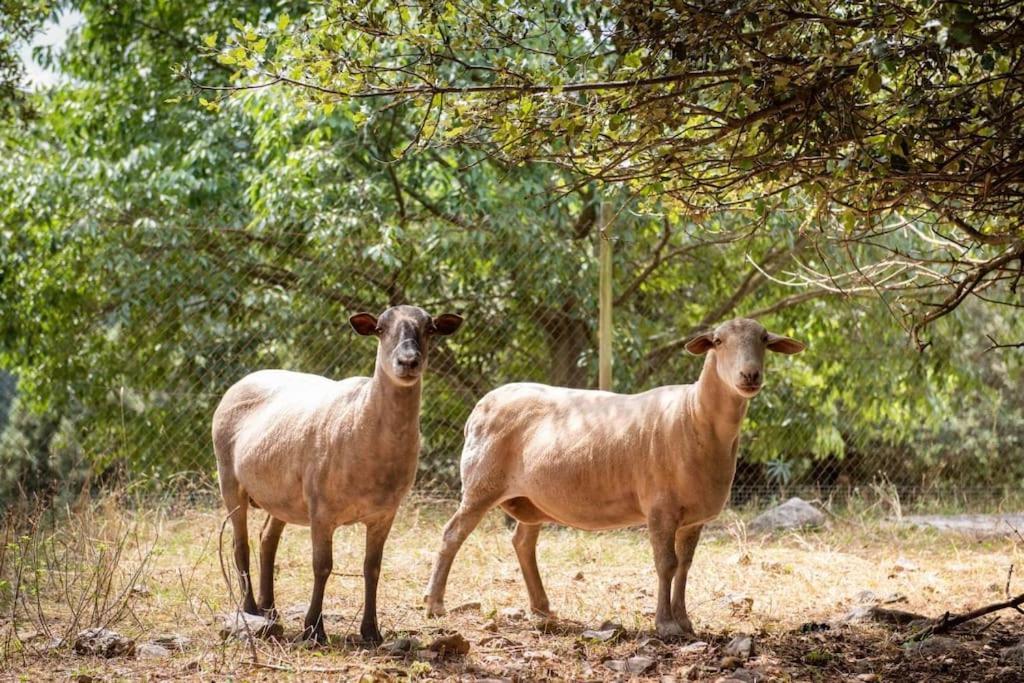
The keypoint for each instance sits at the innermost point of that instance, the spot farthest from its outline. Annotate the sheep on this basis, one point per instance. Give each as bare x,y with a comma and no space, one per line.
599,460
309,450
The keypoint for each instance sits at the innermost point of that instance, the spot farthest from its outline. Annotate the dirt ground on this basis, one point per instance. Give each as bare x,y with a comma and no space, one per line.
788,592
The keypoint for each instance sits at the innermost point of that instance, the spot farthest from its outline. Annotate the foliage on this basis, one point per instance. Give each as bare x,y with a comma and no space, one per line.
153,252
876,112
19,20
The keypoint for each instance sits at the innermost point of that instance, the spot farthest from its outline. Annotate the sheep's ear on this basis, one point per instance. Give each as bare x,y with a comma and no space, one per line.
445,323
702,343
780,344
364,324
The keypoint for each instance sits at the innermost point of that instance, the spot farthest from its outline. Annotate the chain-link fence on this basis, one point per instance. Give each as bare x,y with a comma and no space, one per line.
188,312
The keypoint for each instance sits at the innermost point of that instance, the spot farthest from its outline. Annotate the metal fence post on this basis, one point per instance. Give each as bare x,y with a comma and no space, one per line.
604,325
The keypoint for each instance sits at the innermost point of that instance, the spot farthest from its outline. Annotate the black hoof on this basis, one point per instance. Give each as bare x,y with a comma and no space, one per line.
371,636
315,635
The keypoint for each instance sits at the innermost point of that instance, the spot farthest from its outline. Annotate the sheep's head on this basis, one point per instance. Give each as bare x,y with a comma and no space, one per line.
739,346
405,333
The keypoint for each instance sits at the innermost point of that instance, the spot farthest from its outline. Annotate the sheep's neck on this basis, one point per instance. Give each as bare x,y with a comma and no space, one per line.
397,407
719,406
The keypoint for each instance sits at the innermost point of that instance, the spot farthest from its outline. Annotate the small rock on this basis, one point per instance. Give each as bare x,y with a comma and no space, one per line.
84,678
450,644
578,576
866,597
936,646
491,626
1013,654
172,641
101,642
512,613
604,636
465,607
241,626
868,678
693,648
151,651
633,665
741,646
140,592
881,615
403,646
795,513
539,655
739,676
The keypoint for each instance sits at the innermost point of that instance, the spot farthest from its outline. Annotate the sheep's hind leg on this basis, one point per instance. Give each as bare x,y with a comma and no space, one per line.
524,540
462,523
686,544
237,503
268,551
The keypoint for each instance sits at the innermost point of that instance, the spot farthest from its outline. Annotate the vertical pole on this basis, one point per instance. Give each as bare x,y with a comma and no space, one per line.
604,298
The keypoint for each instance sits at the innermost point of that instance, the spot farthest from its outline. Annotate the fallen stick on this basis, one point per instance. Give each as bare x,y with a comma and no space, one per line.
948,623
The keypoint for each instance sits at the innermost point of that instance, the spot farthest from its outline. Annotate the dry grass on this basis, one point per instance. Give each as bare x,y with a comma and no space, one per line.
164,578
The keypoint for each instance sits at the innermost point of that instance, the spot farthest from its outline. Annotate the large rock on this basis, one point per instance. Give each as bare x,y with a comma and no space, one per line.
795,513
102,642
242,626
978,525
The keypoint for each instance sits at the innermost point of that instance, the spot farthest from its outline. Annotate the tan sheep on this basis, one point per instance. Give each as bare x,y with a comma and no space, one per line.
323,453
599,460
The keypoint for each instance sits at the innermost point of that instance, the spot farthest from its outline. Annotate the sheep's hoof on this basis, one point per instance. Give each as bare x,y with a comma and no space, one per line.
672,630
315,635
436,609
371,636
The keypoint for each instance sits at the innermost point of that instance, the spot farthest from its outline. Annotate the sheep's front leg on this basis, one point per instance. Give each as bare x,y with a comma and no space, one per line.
662,525
323,563
376,534
686,544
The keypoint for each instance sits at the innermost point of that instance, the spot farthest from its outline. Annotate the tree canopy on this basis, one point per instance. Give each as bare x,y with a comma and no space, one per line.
882,118
153,251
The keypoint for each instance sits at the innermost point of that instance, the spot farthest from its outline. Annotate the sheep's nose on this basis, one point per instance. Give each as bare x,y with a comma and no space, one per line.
409,361
753,377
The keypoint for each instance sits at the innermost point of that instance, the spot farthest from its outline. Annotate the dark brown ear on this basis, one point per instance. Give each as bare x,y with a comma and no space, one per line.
364,324
446,323
780,344
701,343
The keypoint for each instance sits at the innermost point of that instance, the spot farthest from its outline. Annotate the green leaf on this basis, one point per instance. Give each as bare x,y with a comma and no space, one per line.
873,81
283,21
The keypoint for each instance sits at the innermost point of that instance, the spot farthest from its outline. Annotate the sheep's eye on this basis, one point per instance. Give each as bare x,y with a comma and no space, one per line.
765,338
718,341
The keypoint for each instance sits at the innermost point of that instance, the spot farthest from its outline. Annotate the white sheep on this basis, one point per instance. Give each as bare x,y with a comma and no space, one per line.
323,453
600,460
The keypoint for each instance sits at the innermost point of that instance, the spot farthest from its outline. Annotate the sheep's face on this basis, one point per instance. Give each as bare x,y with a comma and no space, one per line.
738,346
405,333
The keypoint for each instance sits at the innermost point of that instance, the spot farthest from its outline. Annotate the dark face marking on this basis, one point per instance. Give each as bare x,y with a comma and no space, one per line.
405,334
